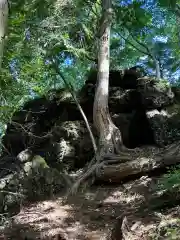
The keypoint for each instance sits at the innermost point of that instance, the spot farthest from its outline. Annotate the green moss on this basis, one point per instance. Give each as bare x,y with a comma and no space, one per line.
162,84
39,162
170,180
174,109
168,231
62,94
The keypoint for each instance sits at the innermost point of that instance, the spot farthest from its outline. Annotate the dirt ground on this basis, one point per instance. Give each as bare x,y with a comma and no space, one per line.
92,215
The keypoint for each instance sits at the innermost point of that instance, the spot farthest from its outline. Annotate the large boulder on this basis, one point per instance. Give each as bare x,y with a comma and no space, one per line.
10,197
71,146
41,181
124,101
31,125
149,93
33,181
42,126
165,124
155,94
126,79
36,125
176,91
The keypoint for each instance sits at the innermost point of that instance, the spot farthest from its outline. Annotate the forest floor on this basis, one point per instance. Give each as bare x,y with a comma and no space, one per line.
92,214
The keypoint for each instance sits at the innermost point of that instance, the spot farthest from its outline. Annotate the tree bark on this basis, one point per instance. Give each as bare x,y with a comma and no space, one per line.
160,67
130,165
161,72
158,71
4,9
110,136
177,12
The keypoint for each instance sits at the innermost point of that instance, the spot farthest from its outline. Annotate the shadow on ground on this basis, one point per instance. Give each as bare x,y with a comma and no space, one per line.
90,215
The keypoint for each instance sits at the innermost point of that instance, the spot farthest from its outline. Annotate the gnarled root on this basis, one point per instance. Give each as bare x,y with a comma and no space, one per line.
108,145
121,229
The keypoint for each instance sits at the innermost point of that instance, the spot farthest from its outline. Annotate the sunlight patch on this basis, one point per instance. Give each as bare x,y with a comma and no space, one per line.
119,197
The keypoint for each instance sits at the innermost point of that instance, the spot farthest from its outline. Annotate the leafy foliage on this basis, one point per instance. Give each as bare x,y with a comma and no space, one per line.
40,30
171,180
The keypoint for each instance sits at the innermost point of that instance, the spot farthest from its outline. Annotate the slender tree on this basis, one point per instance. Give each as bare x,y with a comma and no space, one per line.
110,136
110,140
4,9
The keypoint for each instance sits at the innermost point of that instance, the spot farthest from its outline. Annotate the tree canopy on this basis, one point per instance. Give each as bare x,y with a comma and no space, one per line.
143,32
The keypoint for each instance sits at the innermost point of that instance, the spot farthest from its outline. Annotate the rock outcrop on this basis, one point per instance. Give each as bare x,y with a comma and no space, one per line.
32,180
52,129
130,106
165,124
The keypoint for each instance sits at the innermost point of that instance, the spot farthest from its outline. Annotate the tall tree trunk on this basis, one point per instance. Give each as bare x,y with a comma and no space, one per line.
161,72
110,140
161,68
4,9
110,136
176,10
178,23
158,71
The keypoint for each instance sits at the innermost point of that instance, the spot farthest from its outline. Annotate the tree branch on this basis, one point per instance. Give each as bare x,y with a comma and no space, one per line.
129,42
143,45
71,90
30,133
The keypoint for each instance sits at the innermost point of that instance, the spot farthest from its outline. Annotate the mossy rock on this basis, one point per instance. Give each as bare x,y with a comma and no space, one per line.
39,162
162,84
71,145
173,109
10,194
41,181
165,124
62,95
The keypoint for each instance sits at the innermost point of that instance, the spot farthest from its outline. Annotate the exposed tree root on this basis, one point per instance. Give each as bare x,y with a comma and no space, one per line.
121,230
101,159
91,169
116,172
115,168
110,143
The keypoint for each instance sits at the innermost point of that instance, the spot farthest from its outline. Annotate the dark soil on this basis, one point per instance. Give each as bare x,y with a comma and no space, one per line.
92,214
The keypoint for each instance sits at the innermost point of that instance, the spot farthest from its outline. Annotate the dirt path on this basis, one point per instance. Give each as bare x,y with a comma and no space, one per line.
92,215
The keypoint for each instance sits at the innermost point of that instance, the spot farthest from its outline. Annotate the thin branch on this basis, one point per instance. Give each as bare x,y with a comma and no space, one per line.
71,90
143,45
28,111
30,133
7,169
139,42
6,150
129,42
12,193
91,59
177,10
91,8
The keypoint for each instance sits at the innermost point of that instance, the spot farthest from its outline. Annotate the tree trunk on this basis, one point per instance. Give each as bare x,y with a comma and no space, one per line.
3,25
161,72
176,10
158,71
110,136
110,140
178,24
160,68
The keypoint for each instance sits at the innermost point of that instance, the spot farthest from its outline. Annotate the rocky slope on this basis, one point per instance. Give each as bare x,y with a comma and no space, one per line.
47,138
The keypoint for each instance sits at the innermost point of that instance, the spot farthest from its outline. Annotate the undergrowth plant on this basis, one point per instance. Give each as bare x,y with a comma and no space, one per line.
171,180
